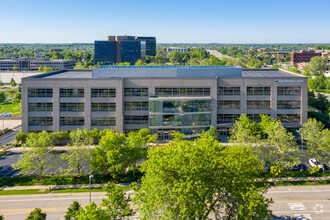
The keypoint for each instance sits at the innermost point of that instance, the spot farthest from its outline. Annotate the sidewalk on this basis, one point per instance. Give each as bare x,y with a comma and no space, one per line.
52,187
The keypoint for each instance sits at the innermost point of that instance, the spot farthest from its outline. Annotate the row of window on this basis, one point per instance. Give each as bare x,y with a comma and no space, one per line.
182,91
72,121
231,118
259,104
111,93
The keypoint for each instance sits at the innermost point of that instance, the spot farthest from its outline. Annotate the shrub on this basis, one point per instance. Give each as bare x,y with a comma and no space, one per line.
61,136
37,214
21,137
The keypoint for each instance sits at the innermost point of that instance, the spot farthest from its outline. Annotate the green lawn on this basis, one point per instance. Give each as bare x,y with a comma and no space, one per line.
9,107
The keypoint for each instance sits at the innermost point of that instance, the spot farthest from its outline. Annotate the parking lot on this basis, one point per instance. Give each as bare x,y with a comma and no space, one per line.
6,169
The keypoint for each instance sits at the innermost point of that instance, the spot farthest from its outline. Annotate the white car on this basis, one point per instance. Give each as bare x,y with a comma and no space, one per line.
313,163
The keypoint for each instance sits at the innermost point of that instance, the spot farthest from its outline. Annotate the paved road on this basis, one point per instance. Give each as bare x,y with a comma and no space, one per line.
306,202
217,54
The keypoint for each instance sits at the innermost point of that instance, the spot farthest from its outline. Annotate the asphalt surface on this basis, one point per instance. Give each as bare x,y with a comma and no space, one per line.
10,158
291,202
9,137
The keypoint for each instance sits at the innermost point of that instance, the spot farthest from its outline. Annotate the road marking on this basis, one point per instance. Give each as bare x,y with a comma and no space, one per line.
298,191
81,169
308,165
91,172
48,199
11,156
29,210
303,216
57,170
45,171
303,200
10,172
32,172
296,206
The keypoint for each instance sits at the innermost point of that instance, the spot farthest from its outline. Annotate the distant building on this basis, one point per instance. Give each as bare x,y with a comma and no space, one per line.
33,64
120,49
303,56
182,50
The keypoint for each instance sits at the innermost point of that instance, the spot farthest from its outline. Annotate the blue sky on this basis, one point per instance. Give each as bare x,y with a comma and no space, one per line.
170,21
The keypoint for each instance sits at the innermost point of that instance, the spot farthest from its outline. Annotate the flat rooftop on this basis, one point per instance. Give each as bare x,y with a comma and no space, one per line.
166,72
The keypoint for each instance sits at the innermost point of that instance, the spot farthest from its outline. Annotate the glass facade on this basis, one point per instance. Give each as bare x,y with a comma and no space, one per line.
72,121
103,93
41,93
258,90
181,120
40,107
41,121
103,107
182,92
292,91
136,119
72,107
227,118
136,106
258,105
71,93
289,118
103,121
165,133
229,105
255,117
288,104
136,92
178,106
229,91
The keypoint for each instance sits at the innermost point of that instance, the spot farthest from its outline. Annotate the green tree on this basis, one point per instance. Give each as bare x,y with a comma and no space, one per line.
92,211
117,204
79,152
1,83
318,65
175,57
47,69
17,98
140,62
40,69
15,68
317,140
12,82
37,214
191,179
244,131
73,211
2,97
36,158
279,146
213,133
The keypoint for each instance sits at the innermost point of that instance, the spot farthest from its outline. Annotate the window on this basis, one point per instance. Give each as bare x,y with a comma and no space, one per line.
103,93
288,104
258,90
41,93
136,92
182,92
40,107
104,107
289,118
258,105
227,118
72,121
103,121
229,91
136,119
292,91
41,121
228,104
255,117
72,107
173,120
137,106
72,93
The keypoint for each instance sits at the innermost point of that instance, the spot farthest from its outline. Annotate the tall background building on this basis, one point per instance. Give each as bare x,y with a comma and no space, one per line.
120,49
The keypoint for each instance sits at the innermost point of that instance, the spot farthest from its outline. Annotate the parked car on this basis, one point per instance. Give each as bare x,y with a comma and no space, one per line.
6,115
300,167
313,163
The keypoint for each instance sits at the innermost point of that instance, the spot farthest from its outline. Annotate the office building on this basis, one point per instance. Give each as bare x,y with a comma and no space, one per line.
303,56
120,49
181,50
33,64
188,99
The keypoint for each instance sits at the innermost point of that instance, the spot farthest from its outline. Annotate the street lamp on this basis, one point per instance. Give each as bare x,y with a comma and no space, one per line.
90,188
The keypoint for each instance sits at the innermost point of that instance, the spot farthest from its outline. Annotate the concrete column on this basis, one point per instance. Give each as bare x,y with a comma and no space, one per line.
120,106
25,103
214,102
273,101
56,108
88,107
243,99
303,104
